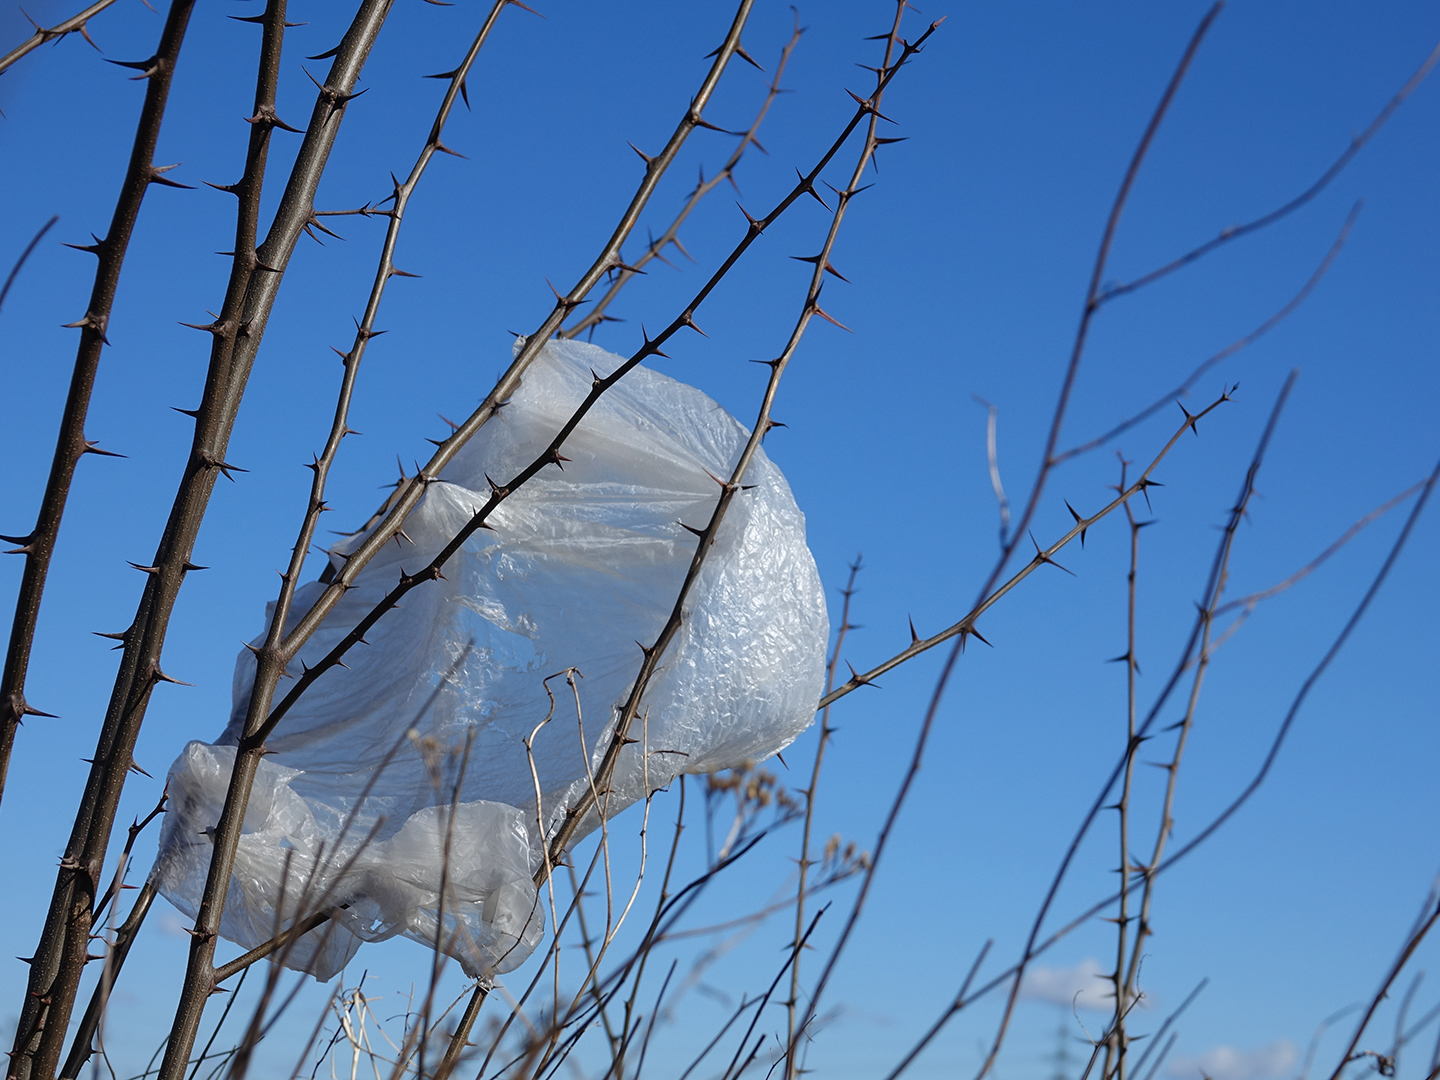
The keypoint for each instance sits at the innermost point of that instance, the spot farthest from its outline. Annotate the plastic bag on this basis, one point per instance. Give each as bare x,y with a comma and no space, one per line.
352,808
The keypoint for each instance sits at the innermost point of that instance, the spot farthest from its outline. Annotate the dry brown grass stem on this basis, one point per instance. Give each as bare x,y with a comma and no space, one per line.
73,25
992,462
655,248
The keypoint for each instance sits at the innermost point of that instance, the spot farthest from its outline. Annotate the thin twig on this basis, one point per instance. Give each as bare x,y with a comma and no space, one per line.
25,255
1183,390
1234,232
51,976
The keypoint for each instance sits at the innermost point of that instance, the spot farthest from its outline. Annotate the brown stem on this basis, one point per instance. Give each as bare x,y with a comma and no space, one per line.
39,544
1115,1048
1234,232
1092,298
655,249
73,25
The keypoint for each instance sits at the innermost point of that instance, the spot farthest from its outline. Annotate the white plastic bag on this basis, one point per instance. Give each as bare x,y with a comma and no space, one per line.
582,564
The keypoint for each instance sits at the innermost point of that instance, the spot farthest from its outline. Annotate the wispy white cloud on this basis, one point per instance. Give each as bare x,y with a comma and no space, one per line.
1084,986
1267,1062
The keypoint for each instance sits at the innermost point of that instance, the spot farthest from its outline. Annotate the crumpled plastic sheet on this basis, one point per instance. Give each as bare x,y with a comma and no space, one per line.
351,811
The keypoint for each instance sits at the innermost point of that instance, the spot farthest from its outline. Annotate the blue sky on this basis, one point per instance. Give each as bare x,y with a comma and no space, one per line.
967,264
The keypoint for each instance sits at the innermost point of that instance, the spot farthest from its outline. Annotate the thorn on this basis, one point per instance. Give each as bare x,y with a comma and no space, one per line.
977,635
868,106
395,271
689,320
914,637
1039,554
818,310
644,156
154,176
856,677
1076,515
160,676
94,448
690,529
145,67
809,188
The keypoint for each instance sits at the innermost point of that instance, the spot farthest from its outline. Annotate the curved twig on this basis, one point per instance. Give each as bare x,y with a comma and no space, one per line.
24,256
1234,232
1183,390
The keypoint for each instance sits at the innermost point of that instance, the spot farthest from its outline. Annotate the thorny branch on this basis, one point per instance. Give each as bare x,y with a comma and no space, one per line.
73,25
1214,589
1012,973
791,1067
39,544
1183,390
408,494
962,629
655,248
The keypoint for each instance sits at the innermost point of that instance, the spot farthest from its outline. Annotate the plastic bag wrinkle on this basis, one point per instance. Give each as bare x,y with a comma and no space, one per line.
581,564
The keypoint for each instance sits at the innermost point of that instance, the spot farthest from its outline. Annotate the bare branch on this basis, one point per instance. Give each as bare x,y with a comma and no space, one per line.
1234,232
73,25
